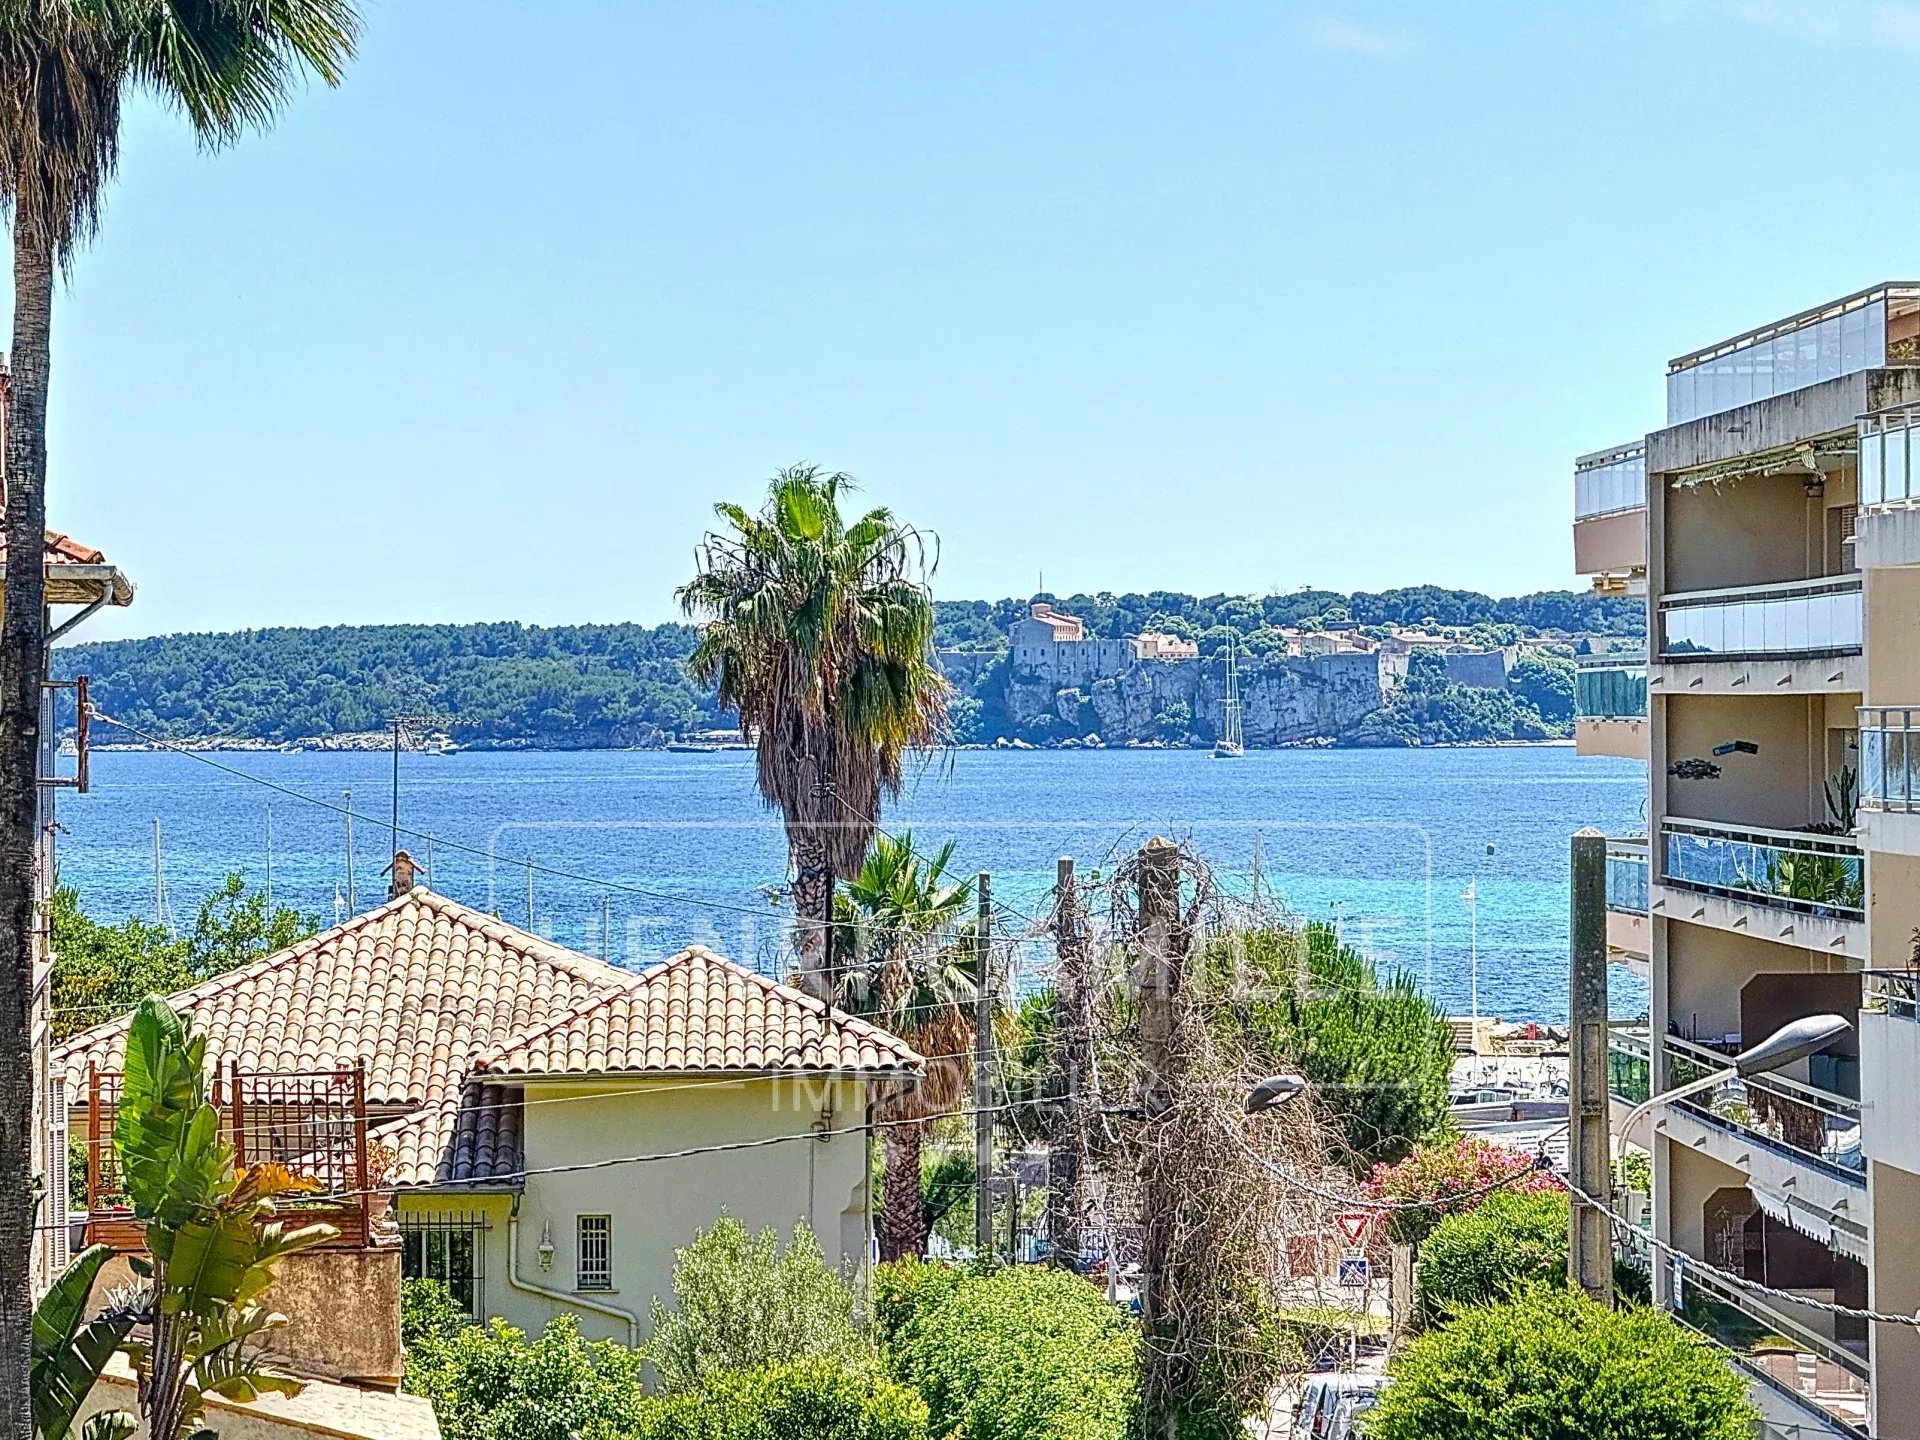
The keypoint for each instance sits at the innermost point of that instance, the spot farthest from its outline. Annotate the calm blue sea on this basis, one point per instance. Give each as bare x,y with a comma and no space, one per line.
671,849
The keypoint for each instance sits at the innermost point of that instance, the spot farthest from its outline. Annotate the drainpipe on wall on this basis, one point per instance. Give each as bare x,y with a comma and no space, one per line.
560,1297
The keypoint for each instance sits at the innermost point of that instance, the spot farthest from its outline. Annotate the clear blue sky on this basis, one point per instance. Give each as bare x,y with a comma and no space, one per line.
1190,296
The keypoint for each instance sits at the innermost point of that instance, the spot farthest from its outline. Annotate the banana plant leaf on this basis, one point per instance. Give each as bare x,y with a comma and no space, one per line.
69,1351
109,1425
162,1091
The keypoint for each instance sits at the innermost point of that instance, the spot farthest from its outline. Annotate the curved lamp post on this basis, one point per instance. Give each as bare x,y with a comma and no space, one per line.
1273,1092
1795,1040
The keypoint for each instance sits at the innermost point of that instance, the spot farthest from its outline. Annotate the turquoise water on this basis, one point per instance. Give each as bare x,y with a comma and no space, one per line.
671,849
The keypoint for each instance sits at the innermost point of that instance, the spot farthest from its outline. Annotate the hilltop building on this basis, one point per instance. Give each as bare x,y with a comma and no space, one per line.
1773,527
1050,644
1158,645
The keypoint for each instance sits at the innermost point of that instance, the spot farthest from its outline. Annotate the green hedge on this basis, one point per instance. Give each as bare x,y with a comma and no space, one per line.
1494,1251
1017,1354
807,1400
1554,1365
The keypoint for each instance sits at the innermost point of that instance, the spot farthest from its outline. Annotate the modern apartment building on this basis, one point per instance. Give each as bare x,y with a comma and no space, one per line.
1779,531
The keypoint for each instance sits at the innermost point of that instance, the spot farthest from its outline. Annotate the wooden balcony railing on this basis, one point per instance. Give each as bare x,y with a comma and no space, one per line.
314,1123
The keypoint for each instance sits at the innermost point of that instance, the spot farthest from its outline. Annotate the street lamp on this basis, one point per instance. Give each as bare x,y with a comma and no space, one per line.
1273,1092
1793,1041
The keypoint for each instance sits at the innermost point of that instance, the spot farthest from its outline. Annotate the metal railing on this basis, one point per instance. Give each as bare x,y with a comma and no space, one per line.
1891,992
1889,757
1610,687
1814,874
1814,1124
1627,875
312,1123
1780,1349
1800,617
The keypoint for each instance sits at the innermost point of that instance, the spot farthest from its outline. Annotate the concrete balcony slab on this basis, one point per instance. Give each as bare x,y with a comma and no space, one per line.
1799,674
1825,935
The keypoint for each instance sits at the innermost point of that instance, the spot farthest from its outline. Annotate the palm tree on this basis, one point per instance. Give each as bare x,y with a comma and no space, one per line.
64,66
908,970
820,634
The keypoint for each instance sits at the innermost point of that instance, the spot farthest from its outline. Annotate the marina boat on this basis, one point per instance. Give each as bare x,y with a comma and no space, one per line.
1232,742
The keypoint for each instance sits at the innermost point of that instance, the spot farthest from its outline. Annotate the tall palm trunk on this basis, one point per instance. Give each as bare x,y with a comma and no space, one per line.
813,916
903,1215
23,660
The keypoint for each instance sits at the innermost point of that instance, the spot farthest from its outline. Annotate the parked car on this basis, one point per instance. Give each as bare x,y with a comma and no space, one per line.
1329,1405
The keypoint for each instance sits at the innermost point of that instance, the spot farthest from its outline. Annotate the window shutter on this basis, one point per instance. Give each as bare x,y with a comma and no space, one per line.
60,1248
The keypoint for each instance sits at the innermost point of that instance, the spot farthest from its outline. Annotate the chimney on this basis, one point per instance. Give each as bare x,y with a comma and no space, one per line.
403,873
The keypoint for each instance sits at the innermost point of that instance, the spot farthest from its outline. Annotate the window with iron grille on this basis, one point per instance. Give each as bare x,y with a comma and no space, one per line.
593,1256
451,1249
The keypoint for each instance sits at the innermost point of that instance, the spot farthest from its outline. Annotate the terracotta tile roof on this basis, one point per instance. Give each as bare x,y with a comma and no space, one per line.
698,1012
63,551
467,1139
416,988
433,995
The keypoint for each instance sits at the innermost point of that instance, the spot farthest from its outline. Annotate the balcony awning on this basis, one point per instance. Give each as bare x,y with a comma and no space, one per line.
1837,1233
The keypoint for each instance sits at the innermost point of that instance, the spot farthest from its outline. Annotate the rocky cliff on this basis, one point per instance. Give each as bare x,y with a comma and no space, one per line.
1283,700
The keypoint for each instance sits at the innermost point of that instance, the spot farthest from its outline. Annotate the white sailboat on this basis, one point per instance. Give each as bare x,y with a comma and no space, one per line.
1232,742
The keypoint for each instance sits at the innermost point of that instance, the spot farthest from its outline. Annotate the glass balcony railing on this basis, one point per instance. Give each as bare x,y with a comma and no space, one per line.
1813,874
1611,687
1784,1350
1889,757
1627,875
1889,468
1861,332
1629,1065
1892,992
1610,481
1813,1124
1801,617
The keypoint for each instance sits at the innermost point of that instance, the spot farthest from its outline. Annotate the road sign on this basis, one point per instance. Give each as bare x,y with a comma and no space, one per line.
1353,1224
1353,1272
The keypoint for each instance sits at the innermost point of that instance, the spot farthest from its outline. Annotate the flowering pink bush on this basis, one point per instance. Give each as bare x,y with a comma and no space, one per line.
1448,1168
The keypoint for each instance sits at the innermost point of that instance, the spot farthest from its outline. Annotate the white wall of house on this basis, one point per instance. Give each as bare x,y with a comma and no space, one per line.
658,1206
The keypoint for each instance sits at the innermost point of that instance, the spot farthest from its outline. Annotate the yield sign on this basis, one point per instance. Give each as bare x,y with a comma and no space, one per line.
1353,1224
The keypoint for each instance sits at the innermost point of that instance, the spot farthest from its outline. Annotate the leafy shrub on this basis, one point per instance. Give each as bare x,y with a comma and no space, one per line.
744,1304
430,1318
1554,1365
1452,1166
490,1382
807,1400
903,1289
1493,1252
1018,1354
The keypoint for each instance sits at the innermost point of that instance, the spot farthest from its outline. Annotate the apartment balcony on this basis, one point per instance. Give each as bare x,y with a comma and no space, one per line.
1781,885
1627,900
1887,530
1890,1067
1610,706
1863,331
1806,1383
1803,636
1804,1123
1889,812
1610,517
